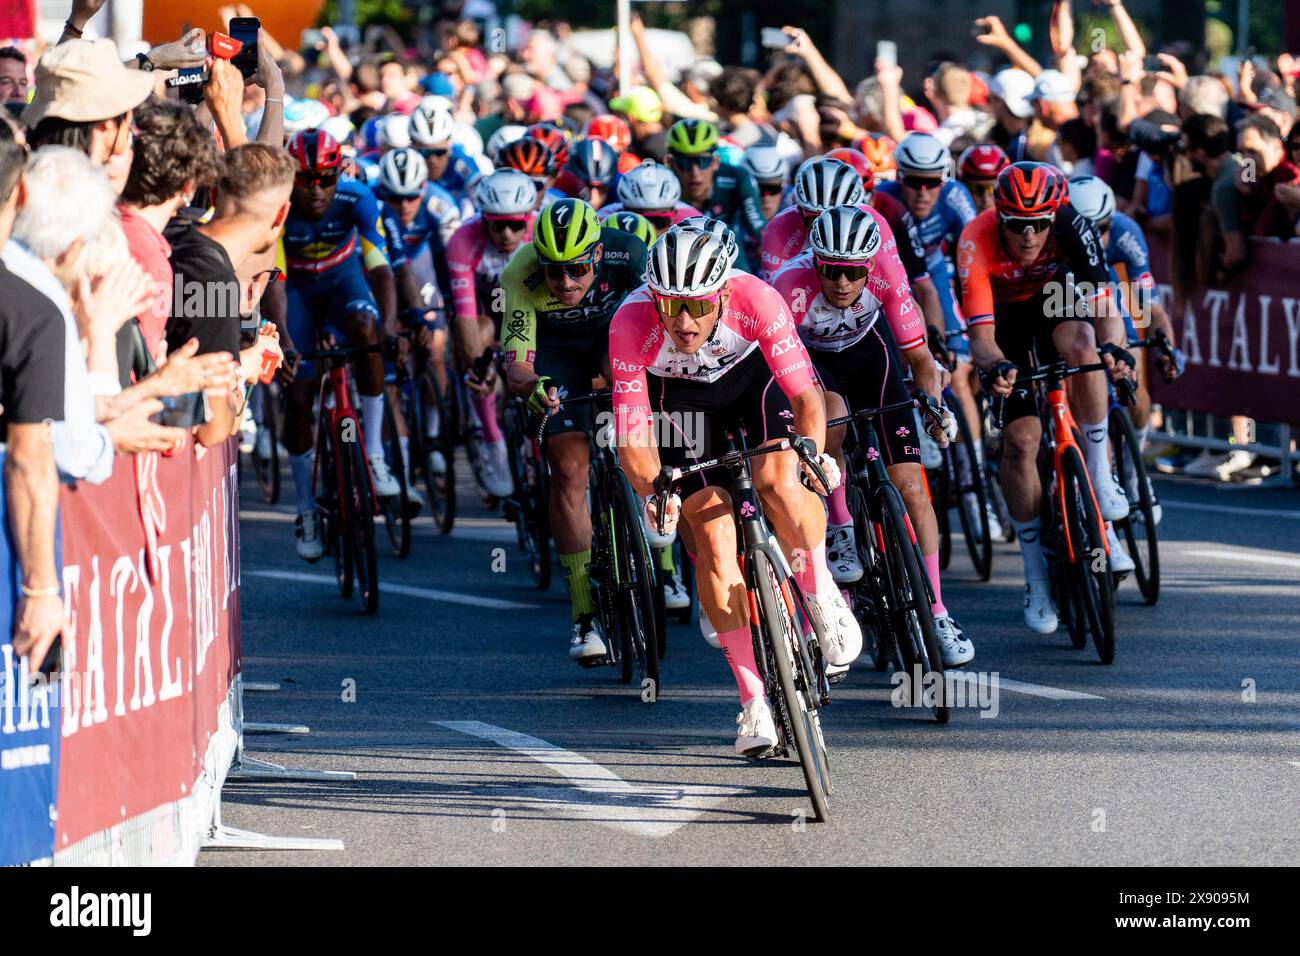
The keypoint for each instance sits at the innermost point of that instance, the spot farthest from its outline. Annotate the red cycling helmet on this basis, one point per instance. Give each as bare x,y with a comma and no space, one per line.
879,150
1030,190
983,161
554,137
612,129
858,160
314,149
530,156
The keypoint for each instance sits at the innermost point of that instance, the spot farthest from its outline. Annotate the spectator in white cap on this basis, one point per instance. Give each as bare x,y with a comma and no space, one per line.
1053,103
1009,92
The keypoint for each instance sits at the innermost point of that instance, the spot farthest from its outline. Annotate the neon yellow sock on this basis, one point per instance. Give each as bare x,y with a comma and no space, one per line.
576,568
665,556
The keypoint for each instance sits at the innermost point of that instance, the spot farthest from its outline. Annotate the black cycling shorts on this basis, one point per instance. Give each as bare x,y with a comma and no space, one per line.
692,418
1023,331
869,374
571,364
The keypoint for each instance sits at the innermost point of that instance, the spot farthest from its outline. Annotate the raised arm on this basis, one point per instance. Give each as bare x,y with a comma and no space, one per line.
828,81
1062,34
998,38
1128,31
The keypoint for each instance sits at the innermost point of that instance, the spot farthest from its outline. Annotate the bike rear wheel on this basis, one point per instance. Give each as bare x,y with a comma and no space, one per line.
794,698
909,597
868,598
1090,569
440,488
975,528
396,508
1139,528
640,599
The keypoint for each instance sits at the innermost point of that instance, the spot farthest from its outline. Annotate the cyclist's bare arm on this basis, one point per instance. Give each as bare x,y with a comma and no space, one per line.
984,353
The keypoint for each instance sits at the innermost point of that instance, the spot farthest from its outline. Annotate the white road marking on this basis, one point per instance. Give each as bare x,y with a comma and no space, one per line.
596,794
493,532
429,594
1245,558
1231,509
1042,690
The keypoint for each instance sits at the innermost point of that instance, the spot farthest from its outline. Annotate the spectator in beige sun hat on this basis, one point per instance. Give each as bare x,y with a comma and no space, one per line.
84,98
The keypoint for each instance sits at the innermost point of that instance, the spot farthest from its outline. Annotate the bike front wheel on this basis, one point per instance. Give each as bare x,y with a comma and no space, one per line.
361,521
1090,567
1139,528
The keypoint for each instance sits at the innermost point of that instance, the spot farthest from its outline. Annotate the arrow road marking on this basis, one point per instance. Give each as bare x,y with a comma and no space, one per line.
598,795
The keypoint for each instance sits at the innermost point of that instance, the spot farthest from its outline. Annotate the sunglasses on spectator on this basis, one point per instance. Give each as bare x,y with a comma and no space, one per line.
578,269
507,225
771,189
1023,224
832,270
318,178
671,306
920,183
435,152
686,163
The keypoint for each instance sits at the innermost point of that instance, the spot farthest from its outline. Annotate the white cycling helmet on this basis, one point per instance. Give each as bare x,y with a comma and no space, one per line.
822,183
649,186
394,132
506,192
1093,198
716,228
846,234
687,262
340,127
431,126
923,154
403,172
303,114
506,134
468,139
766,164
432,101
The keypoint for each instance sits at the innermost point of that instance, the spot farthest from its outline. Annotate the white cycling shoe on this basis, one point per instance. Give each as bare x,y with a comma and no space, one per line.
386,484
675,596
755,729
307,530
842,554
436,463
1120,562
840,627
1040,609
587,646
1110,498
954,647
494,472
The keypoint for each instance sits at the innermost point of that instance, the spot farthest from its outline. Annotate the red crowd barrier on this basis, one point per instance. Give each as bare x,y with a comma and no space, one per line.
1242,341
151,575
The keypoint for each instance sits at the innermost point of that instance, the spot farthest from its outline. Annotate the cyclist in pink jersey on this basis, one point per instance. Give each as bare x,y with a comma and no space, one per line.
654,192
476,256
819,184
837,293
722,351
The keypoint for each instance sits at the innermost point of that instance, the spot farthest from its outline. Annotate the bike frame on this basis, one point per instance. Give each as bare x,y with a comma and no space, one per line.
338,382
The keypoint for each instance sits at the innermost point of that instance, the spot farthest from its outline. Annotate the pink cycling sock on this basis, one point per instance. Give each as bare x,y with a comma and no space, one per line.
486,406
812,572
932,569
837,509
738,647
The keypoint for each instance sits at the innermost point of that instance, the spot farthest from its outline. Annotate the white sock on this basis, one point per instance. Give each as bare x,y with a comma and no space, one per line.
1142,436
405,442
300,467
372,423
431,421
1028,533
1096,451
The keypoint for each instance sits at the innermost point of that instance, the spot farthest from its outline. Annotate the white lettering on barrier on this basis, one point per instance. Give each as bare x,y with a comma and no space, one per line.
1240,339
123,569
171,682
1215,299
1265,366
1292,333
94,711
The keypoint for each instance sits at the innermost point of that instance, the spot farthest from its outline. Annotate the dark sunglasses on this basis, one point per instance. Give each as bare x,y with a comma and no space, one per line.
670,306
684,162
1021,224
437,153
326,180
771,189
660,220
833,271
507,225
556,271
920,183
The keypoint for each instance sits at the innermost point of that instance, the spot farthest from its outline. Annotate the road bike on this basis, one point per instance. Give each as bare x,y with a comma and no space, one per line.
787,639
528,505
892,600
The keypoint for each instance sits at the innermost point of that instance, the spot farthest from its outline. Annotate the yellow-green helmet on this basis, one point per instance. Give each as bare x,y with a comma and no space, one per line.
565,230
633,222
690,137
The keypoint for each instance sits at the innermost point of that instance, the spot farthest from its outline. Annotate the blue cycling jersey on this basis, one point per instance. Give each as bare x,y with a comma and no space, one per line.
350,227
939,233
461,171
1130,267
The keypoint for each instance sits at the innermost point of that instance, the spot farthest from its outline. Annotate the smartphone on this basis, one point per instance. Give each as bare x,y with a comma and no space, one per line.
183,411
774,39
190,82
311,39
887,53
1152,64
979,29
245,29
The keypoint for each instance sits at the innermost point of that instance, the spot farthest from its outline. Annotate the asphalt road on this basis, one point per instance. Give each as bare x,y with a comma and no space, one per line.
476,741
